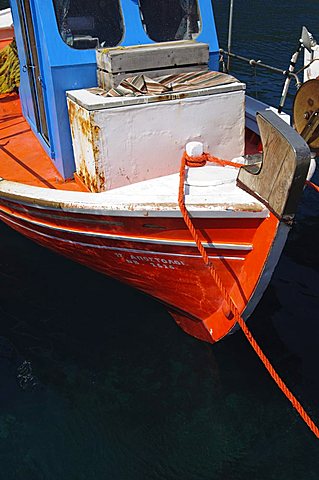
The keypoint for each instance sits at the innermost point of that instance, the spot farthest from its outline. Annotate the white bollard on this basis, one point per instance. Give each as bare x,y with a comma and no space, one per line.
194,149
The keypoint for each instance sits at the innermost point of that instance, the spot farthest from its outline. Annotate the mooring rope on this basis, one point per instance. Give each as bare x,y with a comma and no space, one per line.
312,185
198,161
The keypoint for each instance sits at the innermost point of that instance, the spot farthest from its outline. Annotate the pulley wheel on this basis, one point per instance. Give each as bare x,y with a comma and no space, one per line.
306,102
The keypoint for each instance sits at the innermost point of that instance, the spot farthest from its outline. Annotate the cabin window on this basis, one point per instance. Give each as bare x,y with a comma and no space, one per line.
167,20
86,24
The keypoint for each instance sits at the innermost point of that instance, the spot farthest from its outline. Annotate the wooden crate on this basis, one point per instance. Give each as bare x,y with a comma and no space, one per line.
152,60
108,80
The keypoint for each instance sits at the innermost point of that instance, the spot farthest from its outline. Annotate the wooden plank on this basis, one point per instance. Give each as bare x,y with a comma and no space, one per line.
108,80
153,56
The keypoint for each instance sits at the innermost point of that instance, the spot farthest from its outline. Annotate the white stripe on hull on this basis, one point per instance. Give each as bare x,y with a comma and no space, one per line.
118,249
179,243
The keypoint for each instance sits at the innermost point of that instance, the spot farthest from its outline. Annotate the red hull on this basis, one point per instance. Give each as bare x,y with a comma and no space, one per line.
150,255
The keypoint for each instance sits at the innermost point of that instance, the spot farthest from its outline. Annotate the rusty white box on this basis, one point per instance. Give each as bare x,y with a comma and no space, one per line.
123,140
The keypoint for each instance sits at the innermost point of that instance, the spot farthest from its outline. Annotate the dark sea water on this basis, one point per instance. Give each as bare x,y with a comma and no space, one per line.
96,380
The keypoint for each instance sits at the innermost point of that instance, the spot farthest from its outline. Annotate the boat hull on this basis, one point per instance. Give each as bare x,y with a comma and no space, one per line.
159,257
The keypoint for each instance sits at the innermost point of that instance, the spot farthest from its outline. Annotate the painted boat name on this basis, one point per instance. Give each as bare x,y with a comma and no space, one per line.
155,262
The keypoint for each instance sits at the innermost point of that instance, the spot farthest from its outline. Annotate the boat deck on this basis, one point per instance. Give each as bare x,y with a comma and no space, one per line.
22,158
24,161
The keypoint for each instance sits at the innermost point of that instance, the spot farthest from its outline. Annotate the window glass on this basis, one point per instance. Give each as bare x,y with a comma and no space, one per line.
4,4
167,20
87,24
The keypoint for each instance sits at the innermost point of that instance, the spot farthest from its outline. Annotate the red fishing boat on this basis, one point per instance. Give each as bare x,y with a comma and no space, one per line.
90,168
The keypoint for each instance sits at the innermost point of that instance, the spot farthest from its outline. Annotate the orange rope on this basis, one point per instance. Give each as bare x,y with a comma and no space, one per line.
283,387
202,159
313,185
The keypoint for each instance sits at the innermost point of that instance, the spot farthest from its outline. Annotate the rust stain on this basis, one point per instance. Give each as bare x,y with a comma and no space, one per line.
235,207
90,133
96,149
84,126
76,117
246,208
102,182
95,136
226,207
72,113
169,96
88,180
95,132
95,184
71,108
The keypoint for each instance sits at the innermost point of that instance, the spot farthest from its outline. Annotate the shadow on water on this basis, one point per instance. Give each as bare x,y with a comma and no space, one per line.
114,389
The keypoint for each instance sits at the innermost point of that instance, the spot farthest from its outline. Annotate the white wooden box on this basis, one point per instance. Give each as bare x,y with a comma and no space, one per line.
123,140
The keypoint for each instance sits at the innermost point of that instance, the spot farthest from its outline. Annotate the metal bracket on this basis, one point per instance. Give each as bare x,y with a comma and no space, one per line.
311,127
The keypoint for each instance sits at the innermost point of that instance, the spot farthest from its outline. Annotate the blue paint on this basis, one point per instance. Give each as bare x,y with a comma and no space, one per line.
208,33
134,32
65,68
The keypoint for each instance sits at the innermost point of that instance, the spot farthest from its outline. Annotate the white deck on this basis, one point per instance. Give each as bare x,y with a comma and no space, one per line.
210,187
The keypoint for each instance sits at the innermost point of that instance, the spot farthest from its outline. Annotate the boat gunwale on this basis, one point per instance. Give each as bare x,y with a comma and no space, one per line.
111,204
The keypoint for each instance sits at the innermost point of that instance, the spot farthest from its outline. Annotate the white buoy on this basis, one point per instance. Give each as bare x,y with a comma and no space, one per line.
194,149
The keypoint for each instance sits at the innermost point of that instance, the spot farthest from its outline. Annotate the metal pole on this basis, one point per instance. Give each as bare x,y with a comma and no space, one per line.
251,61
230,29
291,70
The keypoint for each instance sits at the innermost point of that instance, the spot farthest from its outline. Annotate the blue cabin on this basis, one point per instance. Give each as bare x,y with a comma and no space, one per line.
57,40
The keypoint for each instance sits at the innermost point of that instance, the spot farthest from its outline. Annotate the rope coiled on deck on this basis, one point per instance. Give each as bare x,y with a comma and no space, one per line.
9,68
